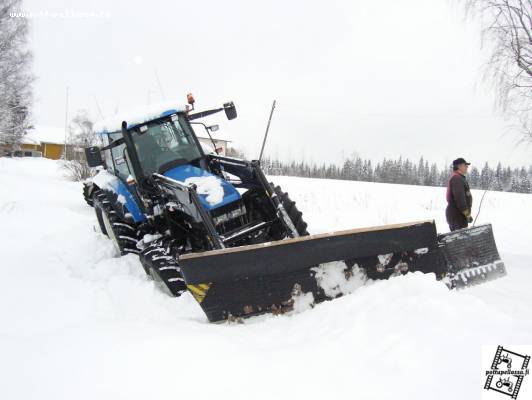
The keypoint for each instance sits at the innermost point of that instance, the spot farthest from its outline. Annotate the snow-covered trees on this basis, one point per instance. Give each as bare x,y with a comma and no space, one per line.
486,177
524,182
15,76
81,135
404,171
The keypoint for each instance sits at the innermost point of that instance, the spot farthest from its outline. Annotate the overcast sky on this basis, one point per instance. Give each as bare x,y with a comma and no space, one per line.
380,78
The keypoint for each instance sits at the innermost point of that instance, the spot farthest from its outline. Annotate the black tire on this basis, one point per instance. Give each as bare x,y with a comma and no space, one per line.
96,200
88,188
123,234
291,209
159,261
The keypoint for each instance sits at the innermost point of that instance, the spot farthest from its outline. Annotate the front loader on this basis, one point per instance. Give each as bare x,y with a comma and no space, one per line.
215,226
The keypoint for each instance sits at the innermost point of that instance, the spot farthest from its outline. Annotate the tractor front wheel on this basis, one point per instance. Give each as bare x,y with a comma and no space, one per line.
291,209
159,262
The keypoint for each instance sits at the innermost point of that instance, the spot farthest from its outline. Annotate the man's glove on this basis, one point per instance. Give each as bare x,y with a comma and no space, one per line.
467,214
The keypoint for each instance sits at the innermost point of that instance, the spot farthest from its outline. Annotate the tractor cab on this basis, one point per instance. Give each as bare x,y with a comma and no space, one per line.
165,143
155,161
136,148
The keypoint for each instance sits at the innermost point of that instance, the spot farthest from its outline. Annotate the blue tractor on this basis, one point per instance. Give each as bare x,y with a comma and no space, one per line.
215,226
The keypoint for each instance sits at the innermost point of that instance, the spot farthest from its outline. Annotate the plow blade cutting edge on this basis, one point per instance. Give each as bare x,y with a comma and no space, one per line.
470,256
254,279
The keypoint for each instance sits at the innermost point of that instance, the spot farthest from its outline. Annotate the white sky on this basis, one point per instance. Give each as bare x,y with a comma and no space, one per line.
383,79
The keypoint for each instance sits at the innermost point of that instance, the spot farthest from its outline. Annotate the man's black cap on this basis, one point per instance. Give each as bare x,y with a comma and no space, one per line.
459,161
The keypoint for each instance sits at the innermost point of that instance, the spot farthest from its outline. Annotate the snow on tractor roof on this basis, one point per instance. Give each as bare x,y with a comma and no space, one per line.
138,116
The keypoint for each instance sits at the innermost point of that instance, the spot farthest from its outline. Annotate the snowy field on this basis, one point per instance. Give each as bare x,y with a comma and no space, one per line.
77,323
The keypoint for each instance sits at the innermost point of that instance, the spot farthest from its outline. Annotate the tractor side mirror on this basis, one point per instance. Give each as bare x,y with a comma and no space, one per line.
93,156
230,110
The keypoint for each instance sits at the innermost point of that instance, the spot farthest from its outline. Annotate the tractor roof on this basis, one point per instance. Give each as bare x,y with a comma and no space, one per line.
138,116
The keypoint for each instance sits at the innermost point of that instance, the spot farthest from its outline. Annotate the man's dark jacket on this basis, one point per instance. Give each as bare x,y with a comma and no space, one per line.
459,201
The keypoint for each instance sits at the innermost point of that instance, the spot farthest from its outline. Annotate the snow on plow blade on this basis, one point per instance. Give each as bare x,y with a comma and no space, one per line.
471,257
268,277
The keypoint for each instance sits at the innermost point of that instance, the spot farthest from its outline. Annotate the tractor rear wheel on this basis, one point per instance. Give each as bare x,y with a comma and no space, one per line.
97,198
87,188
123,234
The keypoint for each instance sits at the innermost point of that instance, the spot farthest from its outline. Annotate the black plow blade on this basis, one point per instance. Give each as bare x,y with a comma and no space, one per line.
251,280
271,277
471,257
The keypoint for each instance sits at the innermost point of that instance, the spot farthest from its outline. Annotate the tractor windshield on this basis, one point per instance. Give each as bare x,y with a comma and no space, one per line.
163,143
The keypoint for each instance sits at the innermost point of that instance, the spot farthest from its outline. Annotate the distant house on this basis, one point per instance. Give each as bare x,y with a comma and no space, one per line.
29,148
49,142
41,141
221,144
51,139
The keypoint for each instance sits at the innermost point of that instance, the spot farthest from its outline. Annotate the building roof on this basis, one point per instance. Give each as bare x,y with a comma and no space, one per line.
37,136
4,138
27,139
46,134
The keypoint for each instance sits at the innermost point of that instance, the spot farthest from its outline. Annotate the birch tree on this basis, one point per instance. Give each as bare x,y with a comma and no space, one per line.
507,29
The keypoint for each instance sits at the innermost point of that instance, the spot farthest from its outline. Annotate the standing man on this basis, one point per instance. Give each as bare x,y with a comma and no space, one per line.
459,199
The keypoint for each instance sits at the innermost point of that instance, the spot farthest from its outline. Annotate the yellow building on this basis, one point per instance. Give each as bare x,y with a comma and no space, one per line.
41,141
48,142
52,150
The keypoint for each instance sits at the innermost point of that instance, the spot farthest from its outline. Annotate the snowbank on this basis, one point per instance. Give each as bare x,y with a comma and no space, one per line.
77,323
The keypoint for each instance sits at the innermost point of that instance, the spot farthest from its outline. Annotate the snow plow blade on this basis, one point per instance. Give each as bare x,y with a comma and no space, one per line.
471,257
250,280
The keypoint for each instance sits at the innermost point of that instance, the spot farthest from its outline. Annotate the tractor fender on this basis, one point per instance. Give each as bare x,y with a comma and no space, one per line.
122,200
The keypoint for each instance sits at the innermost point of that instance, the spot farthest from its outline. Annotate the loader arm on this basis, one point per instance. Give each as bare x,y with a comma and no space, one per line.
187,196
251,175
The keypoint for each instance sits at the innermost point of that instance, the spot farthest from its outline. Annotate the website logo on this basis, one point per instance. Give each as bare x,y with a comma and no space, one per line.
507,372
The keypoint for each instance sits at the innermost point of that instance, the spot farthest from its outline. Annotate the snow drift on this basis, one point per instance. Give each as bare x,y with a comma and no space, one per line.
79,323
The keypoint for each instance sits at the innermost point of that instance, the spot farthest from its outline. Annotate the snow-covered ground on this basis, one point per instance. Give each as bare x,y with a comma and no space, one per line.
77,323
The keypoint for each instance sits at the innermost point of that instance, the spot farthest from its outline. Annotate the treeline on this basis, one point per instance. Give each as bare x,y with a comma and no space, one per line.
404,171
